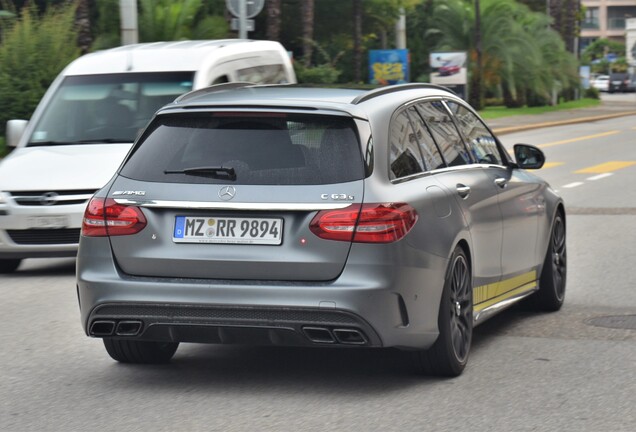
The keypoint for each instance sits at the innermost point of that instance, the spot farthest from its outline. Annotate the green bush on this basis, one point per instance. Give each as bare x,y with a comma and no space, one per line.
592,93
321,74
33,51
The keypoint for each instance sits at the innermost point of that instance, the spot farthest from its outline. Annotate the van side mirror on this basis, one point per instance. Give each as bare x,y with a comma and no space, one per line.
15,130
528,156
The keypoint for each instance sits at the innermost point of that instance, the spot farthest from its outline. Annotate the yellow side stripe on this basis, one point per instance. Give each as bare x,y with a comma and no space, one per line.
606,167
583,138
507,295
497,289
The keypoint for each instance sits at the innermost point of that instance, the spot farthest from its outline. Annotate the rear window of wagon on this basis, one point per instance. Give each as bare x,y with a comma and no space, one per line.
261,148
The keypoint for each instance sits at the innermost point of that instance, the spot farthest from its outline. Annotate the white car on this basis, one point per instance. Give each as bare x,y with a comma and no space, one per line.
87,121
601,83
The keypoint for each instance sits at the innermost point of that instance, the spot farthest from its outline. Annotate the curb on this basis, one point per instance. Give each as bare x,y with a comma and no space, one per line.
512,129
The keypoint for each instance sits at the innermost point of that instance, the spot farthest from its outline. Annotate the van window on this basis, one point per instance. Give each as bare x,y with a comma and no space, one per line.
106,107
263,74
274,149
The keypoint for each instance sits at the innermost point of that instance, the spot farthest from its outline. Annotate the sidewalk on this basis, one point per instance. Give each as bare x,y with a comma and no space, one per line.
611,106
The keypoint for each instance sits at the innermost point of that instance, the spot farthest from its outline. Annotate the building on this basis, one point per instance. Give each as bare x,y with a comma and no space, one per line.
631,41
605,19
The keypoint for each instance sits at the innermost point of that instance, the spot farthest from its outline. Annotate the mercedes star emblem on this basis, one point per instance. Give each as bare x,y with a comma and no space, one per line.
48,199
227,193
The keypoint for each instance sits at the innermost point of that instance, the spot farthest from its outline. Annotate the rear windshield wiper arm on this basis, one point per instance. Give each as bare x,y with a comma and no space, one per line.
212,171
91,141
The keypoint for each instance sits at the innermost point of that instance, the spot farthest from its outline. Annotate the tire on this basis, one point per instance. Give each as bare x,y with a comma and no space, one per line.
552,282
449,354
9,265
143,352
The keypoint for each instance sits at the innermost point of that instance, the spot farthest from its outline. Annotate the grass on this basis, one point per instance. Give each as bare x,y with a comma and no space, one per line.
3,148
501,111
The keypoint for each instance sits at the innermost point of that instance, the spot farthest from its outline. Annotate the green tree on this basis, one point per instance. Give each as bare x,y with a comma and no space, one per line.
522,57
33,51
161,20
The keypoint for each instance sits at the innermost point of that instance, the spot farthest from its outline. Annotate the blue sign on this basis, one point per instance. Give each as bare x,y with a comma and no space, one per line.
389,66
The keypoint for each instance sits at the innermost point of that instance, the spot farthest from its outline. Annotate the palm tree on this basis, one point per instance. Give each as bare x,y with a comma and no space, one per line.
307,14
83,25
521,56
174,20
357,40
273,19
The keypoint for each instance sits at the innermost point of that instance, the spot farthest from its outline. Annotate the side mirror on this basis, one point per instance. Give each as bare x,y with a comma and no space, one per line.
528,156
15,130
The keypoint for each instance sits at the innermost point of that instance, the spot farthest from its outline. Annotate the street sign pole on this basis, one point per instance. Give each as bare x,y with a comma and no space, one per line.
242,19
242,10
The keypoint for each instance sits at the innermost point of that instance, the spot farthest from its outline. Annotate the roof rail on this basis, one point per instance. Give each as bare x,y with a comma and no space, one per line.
212,89
394,88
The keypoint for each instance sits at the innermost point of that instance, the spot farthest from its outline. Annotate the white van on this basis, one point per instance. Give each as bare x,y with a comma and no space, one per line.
86,123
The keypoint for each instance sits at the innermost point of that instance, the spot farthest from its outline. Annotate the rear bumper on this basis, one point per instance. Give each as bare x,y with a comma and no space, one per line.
369,304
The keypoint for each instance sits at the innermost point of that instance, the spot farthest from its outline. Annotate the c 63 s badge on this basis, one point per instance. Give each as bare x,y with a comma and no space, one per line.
133,193
337,197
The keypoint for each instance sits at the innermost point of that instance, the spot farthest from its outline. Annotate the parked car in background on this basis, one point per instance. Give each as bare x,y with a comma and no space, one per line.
87,121
449,69
318,217
622,82
601,83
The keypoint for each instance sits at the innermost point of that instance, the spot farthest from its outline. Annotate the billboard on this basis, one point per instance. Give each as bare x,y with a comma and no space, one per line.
389,66
448,68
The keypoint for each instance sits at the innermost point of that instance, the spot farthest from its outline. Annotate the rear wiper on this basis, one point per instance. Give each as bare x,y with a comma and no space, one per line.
91,141
213,171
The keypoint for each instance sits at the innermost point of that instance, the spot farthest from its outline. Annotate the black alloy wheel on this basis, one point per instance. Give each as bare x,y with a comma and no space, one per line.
552,283
449,354
460,308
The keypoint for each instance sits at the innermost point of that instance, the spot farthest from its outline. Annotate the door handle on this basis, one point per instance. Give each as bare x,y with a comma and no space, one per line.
463,190
501,182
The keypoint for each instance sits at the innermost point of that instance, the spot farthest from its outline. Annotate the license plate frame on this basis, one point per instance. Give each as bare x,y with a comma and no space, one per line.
47,222
228,230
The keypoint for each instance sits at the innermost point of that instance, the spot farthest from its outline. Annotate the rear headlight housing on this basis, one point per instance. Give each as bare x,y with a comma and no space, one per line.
365,223
104,217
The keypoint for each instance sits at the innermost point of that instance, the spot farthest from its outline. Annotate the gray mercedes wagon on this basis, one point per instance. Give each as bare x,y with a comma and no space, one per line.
317,217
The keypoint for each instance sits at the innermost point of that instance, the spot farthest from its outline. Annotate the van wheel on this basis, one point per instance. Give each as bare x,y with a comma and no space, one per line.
145,352
9,265
449,354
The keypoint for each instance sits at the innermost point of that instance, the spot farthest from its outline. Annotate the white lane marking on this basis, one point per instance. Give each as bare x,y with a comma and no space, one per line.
600,176
573,185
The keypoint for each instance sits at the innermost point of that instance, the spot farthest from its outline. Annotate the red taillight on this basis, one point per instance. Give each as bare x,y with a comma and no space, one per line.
104,217
367,223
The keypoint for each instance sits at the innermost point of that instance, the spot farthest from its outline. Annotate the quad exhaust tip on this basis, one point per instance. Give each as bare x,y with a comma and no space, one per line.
342,336
105,328
102,328
128,328
319,335
349,337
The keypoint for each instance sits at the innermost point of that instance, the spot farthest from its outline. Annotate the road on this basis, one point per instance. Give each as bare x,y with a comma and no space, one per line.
527,372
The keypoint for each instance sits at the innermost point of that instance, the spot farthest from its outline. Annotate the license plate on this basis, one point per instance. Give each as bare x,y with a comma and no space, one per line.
228,230
47,222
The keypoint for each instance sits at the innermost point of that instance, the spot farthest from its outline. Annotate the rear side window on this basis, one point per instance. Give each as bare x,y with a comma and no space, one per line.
444,132
260,149
481,142
405,158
